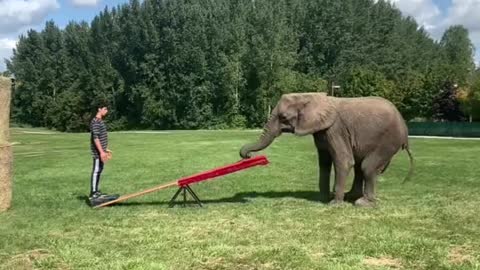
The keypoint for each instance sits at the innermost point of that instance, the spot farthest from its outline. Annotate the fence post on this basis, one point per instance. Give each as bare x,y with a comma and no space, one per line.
6,157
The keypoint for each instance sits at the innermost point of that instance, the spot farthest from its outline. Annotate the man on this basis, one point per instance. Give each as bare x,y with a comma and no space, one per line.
100,153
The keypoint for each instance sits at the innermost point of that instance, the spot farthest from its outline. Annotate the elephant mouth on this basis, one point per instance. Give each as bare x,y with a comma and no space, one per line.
287,126
288,129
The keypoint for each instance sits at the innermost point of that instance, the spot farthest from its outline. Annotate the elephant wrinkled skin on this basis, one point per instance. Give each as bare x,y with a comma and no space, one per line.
362,133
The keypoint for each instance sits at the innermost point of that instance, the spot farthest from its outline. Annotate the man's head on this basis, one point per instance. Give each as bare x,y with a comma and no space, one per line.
102,109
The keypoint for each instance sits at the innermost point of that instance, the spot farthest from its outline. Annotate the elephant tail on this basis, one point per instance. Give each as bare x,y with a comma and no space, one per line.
412,164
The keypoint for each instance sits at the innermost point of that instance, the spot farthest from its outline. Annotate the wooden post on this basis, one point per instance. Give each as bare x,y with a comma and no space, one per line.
6,157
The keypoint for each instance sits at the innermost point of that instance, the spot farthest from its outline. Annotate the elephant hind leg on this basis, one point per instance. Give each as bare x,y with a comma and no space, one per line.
372,166
356,191
385,167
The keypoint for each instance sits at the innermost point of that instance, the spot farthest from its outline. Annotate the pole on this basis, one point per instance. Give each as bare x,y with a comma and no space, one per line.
334,87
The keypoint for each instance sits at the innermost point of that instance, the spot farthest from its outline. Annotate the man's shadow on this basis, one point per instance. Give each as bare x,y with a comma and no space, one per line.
83,198
242,197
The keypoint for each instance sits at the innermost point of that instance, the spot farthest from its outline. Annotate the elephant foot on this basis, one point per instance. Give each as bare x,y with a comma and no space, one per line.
352,196
364,202
336,203
325,198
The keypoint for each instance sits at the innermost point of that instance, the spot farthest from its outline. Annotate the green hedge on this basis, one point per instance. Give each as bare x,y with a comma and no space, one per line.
453,129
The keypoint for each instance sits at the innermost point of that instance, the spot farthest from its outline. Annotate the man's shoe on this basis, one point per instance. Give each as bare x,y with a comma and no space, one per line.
95,201
103,196
98,198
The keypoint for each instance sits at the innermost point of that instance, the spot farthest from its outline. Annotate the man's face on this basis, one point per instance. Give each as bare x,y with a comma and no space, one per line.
103,111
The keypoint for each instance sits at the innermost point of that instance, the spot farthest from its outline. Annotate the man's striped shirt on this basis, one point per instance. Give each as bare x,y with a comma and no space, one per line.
98,130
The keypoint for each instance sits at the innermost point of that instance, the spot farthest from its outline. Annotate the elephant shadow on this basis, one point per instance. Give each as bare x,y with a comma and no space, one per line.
242,197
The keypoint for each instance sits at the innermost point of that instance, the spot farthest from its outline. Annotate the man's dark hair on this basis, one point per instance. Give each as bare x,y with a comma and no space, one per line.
100,104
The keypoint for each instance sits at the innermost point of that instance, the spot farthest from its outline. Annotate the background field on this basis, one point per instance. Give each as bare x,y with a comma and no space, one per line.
261,218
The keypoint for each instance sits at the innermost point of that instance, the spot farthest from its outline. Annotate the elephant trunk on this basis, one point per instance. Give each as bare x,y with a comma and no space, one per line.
271,130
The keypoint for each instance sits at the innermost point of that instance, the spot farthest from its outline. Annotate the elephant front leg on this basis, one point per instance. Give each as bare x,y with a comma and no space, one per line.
357,187
325,166
341,172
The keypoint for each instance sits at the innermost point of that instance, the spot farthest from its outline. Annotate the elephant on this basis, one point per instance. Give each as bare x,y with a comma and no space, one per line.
363,133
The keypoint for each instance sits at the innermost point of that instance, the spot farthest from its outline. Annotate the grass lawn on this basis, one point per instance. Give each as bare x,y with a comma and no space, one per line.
261,218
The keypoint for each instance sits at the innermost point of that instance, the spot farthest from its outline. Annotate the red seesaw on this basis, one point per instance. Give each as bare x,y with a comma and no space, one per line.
184,182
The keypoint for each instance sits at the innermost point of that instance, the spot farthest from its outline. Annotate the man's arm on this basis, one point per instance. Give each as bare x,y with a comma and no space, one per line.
103,155
96,132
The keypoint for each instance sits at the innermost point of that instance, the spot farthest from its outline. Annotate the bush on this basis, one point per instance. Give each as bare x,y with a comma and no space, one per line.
238,121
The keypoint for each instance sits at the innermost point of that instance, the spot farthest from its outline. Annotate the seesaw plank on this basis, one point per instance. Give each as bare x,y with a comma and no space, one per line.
126,197
240,165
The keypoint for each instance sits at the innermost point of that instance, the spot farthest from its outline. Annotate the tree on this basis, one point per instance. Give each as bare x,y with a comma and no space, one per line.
179,64
27,63
458,51
469,97
446,106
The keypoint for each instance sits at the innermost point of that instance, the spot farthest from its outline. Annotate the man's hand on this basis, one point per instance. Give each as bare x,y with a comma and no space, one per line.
104,156
109,154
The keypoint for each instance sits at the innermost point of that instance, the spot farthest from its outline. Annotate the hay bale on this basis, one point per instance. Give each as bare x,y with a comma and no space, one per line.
6,157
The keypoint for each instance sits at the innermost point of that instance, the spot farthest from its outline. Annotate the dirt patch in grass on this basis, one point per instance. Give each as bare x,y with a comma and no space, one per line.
31,259
317,255
26,260
459,255
383,262
239,263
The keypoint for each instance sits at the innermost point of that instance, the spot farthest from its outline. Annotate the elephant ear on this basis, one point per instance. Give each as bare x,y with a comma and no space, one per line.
316,113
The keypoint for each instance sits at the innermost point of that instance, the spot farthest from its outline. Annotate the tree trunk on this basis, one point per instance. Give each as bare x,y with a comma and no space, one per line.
6,158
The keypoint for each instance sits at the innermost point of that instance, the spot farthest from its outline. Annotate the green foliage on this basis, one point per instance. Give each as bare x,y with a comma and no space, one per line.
469,97
6,73
165,64
364,82
63,113
458,51
446,106
474,97
238,121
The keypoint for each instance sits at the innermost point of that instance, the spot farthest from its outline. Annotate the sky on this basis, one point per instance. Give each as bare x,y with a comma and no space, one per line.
18,16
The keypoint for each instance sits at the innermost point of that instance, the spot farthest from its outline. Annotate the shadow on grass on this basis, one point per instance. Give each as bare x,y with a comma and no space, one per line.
83,198
242,197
